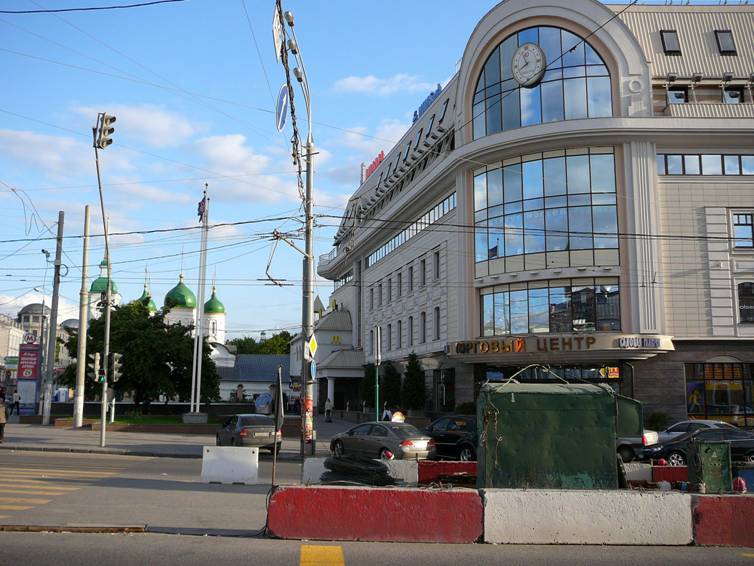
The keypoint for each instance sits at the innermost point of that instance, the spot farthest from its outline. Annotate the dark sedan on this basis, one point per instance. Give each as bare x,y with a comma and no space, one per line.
384,440
675,451
249,430
455,437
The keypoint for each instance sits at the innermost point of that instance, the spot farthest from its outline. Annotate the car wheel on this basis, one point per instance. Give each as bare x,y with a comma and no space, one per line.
467,454
676,459
626,454
386,454
337,448
218,442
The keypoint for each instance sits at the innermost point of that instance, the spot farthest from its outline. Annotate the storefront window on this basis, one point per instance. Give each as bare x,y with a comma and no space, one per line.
746,303
721,391
575,85
552,204
566,305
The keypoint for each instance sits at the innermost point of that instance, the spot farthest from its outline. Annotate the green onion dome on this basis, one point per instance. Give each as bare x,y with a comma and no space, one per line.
180,296
99,285
214,306
147,301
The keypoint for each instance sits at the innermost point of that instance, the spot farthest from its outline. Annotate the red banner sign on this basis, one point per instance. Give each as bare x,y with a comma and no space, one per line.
28,361
373,166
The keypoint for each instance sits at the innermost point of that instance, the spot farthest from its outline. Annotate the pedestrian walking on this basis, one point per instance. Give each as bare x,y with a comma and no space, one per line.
387,414
16,403
3,419
328,411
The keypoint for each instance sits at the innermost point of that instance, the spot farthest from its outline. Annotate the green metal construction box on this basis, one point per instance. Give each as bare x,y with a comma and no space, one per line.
709,463
547,436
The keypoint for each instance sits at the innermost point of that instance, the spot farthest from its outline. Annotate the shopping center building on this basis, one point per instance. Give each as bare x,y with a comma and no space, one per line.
581,195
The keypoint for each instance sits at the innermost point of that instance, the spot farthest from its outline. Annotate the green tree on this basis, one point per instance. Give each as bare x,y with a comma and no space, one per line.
414,392
390,392
157,357
279,343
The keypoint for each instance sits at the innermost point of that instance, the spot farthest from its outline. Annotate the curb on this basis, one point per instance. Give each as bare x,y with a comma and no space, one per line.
103,529
123,452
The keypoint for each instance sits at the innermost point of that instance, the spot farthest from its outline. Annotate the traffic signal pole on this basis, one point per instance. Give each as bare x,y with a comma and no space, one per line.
78,402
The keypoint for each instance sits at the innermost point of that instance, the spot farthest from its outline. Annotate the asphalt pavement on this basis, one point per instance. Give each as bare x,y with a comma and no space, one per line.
158,550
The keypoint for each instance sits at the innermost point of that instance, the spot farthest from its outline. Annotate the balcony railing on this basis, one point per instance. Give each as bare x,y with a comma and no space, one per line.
325,259
693,110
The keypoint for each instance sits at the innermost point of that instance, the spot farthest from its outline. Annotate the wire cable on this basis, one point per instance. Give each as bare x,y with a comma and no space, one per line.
90,8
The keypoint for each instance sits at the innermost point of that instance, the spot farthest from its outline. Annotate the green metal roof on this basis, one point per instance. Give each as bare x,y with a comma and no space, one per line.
214,306
180,296
99,285
147,301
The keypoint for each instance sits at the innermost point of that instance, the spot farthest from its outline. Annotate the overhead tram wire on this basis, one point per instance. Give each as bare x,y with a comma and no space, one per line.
91,8
259,53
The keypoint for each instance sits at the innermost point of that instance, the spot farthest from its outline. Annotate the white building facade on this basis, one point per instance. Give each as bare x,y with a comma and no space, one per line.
580,194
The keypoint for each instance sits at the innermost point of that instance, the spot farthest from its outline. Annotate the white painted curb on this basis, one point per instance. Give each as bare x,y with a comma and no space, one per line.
586,517
230,464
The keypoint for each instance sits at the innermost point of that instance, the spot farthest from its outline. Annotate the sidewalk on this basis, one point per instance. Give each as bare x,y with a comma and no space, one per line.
51,439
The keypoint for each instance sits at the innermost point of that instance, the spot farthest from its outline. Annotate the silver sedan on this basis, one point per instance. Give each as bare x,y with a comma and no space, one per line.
384,440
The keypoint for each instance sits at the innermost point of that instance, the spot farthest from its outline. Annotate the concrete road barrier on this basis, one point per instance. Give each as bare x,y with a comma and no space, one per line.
430,471
586,517
230,464
724,520
375,514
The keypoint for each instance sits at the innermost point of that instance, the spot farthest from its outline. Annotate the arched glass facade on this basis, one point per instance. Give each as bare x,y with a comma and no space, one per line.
545,204
576,84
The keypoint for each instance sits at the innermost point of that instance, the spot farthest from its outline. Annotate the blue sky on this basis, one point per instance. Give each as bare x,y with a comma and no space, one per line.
193,104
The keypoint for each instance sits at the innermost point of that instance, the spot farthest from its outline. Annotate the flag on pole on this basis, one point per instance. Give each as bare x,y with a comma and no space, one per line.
202,208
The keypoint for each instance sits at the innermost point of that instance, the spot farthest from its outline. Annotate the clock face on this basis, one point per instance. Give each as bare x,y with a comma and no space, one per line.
529,64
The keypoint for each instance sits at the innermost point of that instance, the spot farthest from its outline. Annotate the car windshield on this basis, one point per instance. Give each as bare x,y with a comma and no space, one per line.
404,430
259,420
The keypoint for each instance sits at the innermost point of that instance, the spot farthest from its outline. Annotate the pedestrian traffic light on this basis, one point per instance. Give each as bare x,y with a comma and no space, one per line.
94,365
104,130
117,369
102,378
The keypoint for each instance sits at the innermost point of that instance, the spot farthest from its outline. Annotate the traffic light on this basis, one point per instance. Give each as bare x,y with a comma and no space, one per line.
105,130
117,367
93,365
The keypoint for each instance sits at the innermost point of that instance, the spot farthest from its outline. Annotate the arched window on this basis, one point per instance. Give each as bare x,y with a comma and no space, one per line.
575,84
213,330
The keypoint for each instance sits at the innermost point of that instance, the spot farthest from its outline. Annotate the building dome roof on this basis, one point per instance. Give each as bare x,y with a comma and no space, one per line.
70,324
99,285
214,306
34,308
147,301
180,296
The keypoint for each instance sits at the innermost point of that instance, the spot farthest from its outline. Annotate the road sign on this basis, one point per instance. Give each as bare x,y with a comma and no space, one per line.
277,33
313,370
29,338
281,108
313,346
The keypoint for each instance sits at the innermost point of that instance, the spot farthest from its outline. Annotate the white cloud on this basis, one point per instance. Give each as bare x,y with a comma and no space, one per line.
149,123
371,84
12,304
386,135
133,193
55,155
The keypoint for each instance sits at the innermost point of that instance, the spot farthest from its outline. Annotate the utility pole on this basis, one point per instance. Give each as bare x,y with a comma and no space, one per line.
308,433
78,402
53,325
378,359
196,381
101,135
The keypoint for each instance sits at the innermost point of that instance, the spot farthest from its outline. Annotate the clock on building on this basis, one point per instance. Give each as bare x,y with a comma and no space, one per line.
529,64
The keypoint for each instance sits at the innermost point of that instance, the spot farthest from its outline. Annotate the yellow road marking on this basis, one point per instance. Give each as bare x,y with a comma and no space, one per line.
21,484
4,516
747,554
36,471
320,555
24,500
15,507
26,491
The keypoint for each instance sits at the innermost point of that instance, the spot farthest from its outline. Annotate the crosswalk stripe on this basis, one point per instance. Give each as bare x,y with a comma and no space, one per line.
15,507
32,492
24,500
321,555
57,472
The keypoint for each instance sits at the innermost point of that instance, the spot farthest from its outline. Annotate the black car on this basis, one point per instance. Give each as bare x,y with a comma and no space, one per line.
675,450
455,437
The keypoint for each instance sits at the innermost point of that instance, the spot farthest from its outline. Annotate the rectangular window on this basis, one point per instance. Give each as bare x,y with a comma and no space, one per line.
582,304
488,315
437,323
733,95
519,312
410,278
389,337
443,111
389,291
437,265
678,95
399,286
379,295
691,165
411,331
746,303
538,311
423,274
712,165
423,329
400,334
371,341
731,164
743,230
371,298
725,43
670,43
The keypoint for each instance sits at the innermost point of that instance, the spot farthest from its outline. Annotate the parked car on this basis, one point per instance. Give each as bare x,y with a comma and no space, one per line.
455,437
384,440
675,450
683,427
630,447
249,430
